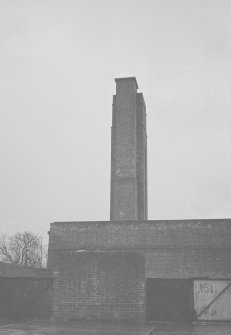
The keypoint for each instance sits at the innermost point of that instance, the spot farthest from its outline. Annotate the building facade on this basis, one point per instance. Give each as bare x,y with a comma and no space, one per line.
131,268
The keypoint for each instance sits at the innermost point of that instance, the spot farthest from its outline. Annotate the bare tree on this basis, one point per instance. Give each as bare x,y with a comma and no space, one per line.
23,248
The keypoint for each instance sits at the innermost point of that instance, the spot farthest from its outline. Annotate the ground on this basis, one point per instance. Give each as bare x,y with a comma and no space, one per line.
112,328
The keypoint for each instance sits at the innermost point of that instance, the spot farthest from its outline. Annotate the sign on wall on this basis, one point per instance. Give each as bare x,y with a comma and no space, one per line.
212,299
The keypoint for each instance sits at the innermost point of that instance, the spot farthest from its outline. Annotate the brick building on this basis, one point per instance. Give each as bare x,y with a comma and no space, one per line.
131,267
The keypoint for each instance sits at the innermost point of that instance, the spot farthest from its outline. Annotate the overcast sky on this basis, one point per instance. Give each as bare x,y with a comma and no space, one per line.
58,61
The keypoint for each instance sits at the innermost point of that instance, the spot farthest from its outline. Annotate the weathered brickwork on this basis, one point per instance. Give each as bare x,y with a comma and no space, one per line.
20,271
25,298
128,153
141,158
100,268
143,235
98,285
188,263
125,197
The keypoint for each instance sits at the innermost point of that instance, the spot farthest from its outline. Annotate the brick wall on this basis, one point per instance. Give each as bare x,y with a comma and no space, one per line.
141,158
123,162
100,267
128,153
144,235
98,285
188,263
16,270
25,298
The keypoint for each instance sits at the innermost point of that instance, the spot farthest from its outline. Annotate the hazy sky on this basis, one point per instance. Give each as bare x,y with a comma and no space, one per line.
58,61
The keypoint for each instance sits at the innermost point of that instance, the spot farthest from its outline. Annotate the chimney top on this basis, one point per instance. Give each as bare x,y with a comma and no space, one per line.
127,78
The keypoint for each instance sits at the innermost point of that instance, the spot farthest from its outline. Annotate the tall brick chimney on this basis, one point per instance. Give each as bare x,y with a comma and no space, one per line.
128,153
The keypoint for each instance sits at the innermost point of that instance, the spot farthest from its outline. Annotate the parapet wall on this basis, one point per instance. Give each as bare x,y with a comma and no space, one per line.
113,235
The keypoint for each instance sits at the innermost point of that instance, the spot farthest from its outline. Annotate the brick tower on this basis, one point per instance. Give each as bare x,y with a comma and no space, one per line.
128,153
